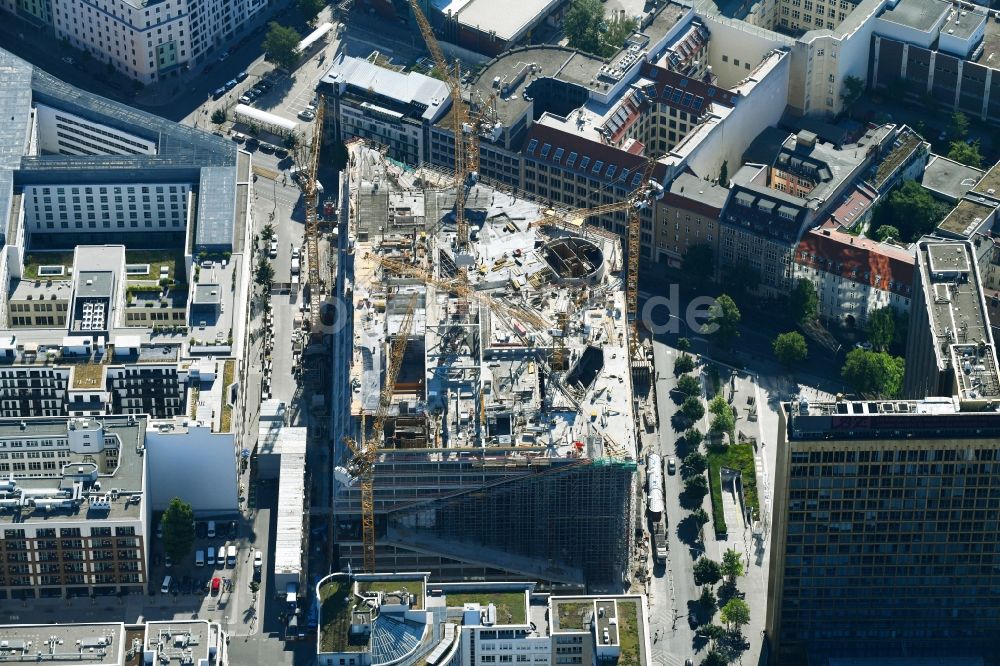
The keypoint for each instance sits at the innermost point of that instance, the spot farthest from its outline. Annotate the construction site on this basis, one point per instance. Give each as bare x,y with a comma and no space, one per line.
492,383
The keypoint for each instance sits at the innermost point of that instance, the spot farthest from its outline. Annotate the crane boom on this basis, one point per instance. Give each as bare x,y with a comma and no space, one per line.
312,221
634,248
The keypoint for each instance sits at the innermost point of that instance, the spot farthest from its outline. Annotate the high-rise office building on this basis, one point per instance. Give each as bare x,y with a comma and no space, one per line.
886,541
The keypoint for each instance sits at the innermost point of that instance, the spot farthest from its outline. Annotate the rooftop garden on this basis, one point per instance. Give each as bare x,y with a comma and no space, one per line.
228,372
738,457
336,603
414,587
511,608
171,259
87,375
628,633
572,615
34,260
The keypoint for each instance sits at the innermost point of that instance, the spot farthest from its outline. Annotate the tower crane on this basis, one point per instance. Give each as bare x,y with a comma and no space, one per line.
362,466
310,193
653,191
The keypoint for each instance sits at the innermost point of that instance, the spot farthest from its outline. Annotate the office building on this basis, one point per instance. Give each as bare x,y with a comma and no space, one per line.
401,618
74,505
146,40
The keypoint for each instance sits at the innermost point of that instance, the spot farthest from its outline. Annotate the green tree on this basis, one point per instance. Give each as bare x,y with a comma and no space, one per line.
706,572
790,349
708,600
966,153
724,174
804,301
683,344
732,565
882,328
692,409
735,613
698,261
264,274
910,209
723,420
959,126
886,232
696,485
689,385
218,116
178,529
694,438
741,280
854,87
700,517
310,8
292,141
282,45
873,373
714,658
267,233
684,363
723,319
695,462
582,25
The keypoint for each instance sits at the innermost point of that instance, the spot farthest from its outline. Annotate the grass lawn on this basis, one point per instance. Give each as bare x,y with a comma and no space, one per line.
32,260
510,605
628,633
414,587
335,616
87,375
228,372
735,456
572,614
195,394
172,259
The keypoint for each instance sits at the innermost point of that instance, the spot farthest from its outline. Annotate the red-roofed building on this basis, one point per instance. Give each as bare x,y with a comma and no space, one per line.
854,276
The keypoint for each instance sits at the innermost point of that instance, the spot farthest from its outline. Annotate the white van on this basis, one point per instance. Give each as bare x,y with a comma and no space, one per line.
222,556
231,556
199,558
211,556
211,529
165,588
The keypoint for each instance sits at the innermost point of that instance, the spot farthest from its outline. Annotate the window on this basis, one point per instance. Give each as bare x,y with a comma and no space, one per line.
558,156
611,170
584,162
598,165
571,160
546,149
531,146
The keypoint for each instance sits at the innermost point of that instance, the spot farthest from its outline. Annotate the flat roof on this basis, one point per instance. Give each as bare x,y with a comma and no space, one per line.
967,217
291,494
96,644
265,117
920,15
315,36
990,57
410,88
949,179
989,185
182,642
95,284
509,20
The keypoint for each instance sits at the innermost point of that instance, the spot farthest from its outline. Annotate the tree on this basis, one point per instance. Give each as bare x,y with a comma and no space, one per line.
587,30
267,233
700,517
732,565
689,385
707,600
178,529
693,438
735,613
264,274
882,328
966,153
723,319
790,349
683,344
706,572
911,210
714,658
218,116
854,87
959,126
804,301
741,280
692,409
698,261
282,45
695,462
696,485
723,420
724,174
873,373
886,232
292,141
310,8
684,363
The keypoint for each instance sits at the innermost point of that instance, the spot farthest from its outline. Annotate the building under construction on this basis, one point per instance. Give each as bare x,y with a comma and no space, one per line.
509,445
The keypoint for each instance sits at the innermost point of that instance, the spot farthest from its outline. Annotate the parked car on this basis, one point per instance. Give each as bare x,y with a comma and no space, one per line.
258,560
230,84
234,529
165,588
159,529
218,92
167,562
211,529
199,558
225,54
200,529
273,250
231,556
252,144
216,586
221,559
247,97
211,556
242,76
307,114
867,346
672,466
266,148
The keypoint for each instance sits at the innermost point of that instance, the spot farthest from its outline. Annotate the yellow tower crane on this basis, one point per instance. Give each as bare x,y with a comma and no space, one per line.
310,193
363,464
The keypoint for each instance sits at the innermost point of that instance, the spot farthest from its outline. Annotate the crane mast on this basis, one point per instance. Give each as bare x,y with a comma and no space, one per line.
312,221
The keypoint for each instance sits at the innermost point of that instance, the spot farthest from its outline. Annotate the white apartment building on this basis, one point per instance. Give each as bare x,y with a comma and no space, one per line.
148,39
113,208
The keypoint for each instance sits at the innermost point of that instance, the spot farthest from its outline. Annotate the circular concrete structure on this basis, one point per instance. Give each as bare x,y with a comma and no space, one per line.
574,260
